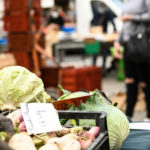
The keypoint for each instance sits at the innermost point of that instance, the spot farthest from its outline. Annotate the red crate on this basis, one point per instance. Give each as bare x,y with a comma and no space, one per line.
22,5
24,59
11,5
71,88
87,78
16,21
73,76
20,41
50,76
72,79
94,75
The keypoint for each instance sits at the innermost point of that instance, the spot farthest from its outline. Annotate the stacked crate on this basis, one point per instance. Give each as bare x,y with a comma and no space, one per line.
51,76
85,78
19,24
72,79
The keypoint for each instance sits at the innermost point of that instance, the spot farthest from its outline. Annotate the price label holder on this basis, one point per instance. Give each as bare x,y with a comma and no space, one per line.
40,118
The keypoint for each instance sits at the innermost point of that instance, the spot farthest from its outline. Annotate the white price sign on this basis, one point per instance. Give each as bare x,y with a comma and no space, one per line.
40,118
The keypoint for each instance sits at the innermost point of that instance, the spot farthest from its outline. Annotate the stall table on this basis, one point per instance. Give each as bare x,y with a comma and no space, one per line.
61,47
137,140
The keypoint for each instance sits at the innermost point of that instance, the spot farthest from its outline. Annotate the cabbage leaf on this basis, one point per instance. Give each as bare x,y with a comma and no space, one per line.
19,85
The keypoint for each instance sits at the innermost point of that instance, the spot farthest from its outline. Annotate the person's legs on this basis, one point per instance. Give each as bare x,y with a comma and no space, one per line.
147,99
94,59
132,90
104,53
114,25
105,24
131,85
145,84
111,17
103,21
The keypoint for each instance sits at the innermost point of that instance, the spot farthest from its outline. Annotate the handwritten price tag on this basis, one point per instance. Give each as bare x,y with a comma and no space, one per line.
40,118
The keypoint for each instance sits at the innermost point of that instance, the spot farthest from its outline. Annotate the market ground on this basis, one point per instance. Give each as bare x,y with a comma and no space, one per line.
114,89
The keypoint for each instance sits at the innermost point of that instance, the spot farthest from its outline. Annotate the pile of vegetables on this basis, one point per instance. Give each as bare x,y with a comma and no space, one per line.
17,85
74,138
118,125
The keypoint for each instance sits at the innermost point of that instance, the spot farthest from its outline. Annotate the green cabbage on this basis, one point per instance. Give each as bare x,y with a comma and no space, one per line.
73,95
17,85
67,94
118,125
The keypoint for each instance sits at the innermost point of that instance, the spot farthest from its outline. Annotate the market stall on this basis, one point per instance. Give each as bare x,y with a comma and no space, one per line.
82,117
90,116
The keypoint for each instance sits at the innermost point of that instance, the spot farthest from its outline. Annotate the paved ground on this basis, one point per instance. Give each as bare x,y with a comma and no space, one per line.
111,86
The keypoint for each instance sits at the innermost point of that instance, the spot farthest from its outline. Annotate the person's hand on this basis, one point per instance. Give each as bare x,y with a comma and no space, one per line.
126,18
118,53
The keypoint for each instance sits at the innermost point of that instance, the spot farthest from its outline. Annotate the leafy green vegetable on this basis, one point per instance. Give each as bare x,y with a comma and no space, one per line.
74,123
67,94
16,128
3,136
17,85
76,129
118,125
40,139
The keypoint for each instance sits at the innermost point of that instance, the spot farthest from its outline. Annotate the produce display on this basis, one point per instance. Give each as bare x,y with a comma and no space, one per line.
118,125
76,138
19,85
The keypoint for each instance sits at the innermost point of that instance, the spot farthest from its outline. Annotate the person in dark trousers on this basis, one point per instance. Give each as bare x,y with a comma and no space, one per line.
108,17
137,73
102,15
96,13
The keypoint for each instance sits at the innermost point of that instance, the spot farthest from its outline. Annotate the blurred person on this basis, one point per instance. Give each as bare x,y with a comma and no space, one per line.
37,34
38,51
55,17
102,15
71,11
54,25
96,13
136,73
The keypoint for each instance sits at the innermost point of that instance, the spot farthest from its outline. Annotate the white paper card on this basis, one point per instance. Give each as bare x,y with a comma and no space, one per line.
140,125
40,118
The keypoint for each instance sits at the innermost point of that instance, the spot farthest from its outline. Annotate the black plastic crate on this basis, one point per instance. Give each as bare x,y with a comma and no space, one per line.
102,140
